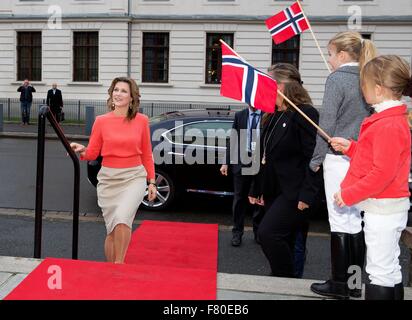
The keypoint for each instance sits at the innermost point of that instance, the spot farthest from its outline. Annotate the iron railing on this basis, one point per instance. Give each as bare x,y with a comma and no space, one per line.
43,114
75,110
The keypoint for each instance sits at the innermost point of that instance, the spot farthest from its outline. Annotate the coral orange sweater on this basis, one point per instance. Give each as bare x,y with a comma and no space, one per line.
121,143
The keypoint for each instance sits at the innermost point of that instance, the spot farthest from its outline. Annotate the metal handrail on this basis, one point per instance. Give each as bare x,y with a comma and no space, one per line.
44,113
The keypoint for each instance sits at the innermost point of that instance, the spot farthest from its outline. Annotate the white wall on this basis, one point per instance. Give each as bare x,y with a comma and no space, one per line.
187,43
58,58
269,7
68,7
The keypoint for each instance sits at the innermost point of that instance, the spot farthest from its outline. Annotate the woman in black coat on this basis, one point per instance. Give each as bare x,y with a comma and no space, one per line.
285,185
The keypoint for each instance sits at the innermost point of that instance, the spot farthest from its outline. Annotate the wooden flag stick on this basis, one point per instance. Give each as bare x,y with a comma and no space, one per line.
321,131
314,37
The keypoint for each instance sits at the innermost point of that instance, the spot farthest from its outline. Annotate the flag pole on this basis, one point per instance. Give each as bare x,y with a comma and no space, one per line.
314,37
321,131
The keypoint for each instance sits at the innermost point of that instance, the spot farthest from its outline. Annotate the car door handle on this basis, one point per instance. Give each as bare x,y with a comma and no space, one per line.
176,154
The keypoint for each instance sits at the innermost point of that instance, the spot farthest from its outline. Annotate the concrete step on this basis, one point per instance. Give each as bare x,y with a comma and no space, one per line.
13,270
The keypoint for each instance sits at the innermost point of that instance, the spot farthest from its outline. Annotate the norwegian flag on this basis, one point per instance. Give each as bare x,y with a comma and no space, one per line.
242,82
287,23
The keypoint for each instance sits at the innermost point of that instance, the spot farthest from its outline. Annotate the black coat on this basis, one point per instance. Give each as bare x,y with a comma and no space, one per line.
288,154
54,100
22,91
235,146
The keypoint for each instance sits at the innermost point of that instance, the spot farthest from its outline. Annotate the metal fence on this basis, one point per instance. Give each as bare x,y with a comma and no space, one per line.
75,110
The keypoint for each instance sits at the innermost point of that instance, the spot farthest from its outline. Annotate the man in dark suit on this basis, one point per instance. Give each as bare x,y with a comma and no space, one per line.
55,101
243,147
26,98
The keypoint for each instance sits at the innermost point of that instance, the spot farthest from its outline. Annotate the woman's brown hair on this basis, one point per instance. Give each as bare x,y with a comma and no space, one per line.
134,93
289,75
361,50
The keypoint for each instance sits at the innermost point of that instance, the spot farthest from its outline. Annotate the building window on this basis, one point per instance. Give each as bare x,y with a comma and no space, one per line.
214,56
29,56
155,57
86,56
287,52
367,36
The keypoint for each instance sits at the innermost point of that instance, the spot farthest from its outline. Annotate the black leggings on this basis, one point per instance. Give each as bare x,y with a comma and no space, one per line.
277,234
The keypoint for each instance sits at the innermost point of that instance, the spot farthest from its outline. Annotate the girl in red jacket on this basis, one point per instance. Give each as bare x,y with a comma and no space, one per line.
377,180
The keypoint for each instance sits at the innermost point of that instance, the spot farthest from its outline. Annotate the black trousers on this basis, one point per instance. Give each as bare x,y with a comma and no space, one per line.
56,111
277,234
241,206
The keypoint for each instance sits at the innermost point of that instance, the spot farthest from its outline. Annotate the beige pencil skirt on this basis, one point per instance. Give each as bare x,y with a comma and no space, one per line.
119,194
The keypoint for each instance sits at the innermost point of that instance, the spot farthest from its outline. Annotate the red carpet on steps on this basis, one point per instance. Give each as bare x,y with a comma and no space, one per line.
177,244
165,261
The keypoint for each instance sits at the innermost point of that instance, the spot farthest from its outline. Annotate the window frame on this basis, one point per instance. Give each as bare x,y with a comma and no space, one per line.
156,48
19,74
285,50
88,46
208,49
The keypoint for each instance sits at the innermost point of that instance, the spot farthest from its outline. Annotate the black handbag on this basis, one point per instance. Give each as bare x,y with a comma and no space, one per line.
62,116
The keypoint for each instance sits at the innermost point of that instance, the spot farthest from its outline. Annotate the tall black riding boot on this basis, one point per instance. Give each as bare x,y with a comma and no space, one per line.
399,291
357,257
337,287
374,292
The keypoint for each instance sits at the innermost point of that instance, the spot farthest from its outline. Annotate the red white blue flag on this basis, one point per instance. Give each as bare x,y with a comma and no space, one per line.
242,82
287,23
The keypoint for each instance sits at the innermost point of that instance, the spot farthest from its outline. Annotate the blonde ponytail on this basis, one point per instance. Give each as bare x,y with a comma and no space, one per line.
361,50
367,53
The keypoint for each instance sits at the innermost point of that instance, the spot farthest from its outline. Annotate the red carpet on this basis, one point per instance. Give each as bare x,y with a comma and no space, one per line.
165,261
181,245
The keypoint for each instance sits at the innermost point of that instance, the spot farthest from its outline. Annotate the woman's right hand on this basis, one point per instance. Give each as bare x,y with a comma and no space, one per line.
340,144
259,201
223,169
78,148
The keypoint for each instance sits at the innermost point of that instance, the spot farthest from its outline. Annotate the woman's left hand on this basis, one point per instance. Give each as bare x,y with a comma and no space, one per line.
338,199
302,206
152,192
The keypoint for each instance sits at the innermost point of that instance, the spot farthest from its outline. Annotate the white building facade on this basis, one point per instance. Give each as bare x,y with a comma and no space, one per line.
169,46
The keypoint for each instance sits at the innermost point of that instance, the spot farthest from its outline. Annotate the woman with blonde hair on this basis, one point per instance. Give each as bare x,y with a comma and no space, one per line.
122,138
377,180
343,110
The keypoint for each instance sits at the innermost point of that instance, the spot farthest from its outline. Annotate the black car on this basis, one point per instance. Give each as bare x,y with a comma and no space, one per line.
189,147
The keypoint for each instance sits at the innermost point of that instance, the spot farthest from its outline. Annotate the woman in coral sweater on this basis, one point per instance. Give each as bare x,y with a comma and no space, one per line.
377,180
122,138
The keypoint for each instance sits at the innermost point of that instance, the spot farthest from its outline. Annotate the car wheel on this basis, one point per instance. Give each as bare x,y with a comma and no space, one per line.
165,193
